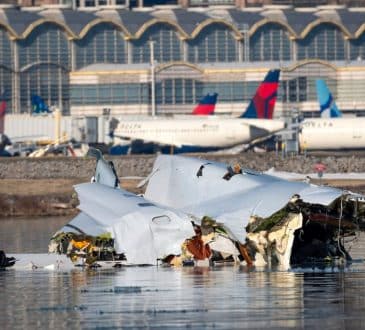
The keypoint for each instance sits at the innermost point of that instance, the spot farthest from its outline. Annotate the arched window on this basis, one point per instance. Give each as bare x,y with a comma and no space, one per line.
104,43
215,43
46,43
325,41
270,43
167,45
51,82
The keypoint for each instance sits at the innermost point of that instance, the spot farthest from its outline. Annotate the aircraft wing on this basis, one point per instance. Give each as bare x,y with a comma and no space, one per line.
198,187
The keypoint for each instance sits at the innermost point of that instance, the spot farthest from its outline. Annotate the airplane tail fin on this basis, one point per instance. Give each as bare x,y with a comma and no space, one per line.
263,103
206,105
328,107
2,113
39,106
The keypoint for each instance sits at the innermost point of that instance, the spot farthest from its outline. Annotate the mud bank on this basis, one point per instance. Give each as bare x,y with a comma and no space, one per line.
43,197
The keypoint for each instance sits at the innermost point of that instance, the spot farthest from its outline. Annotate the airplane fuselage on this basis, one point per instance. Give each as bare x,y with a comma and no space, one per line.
332,134
212,132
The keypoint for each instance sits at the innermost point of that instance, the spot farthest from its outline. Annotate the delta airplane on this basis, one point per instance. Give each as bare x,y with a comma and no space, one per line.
332,131
4,140
206,105
208,133
327,104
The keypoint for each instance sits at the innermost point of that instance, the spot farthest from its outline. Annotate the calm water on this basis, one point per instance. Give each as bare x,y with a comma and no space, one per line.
138,297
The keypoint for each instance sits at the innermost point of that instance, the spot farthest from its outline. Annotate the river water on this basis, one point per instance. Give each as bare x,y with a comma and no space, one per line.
154,297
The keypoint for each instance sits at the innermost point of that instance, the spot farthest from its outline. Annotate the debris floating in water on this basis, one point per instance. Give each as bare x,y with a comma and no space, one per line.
199,213
127,289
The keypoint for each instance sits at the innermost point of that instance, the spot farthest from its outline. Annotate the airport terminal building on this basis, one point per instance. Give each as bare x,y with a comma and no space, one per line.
118,60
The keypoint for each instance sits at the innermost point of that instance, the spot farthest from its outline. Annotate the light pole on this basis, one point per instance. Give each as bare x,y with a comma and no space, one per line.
152,60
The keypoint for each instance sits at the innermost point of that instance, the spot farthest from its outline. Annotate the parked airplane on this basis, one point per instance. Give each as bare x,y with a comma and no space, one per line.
4,140
328,107
333,132
209,134
39,106
2,113
206,105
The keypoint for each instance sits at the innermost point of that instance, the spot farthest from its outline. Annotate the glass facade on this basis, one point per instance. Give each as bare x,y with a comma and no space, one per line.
167,45
215,43
47,43
6,56
270,43
109,94
168,92
44,62
296,90
104,43
49,81
357,48
6,87
325,42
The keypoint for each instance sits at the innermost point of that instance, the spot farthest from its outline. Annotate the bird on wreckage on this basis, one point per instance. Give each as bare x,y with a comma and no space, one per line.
190,219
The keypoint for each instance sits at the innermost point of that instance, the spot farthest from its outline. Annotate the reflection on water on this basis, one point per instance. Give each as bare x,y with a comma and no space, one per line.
22,235
221,297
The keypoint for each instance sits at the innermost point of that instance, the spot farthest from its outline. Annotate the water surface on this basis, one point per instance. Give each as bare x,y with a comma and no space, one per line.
156,297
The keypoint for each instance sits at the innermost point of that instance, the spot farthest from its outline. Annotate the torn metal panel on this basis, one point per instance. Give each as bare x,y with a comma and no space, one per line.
175,184
201,212
142,231
104,172
275,245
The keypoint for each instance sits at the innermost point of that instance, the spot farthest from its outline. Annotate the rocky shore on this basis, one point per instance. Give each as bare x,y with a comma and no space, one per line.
141,165
44,186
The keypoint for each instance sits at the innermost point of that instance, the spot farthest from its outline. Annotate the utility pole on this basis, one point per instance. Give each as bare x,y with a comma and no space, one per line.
153,82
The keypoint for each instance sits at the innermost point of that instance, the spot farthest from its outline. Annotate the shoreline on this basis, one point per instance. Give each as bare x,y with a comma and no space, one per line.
44,186
44,197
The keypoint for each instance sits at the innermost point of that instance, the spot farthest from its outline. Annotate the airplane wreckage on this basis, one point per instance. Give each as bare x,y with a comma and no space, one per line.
198,212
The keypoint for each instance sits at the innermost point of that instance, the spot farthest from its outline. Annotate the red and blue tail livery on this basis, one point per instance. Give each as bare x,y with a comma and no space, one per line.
39,106
263,103
206,105
2,112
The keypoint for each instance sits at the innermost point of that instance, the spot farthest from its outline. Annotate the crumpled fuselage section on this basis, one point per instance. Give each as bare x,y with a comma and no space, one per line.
198,212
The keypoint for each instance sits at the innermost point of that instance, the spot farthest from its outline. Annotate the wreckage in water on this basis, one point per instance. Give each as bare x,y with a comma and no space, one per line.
197,212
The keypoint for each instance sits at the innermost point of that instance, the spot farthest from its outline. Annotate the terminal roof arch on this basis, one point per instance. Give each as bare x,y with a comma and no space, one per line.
311,26
189,20
351,19
33,65
12,34
212,21
157,21
41,21
189,65
308,62
98,21
360,31
17,21
266,21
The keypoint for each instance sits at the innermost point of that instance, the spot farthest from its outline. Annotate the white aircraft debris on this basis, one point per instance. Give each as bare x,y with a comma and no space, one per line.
198,212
